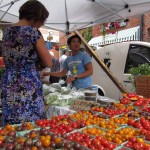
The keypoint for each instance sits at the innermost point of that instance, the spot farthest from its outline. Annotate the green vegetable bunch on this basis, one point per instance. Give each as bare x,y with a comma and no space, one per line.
143,69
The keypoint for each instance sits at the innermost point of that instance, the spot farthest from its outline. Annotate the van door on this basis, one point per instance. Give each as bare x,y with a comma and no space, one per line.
137,54
114,56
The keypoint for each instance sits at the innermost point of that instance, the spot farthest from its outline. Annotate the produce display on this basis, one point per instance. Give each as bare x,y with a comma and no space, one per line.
60,96
112,126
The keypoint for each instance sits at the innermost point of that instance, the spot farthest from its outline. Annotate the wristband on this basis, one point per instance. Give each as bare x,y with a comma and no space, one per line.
75,77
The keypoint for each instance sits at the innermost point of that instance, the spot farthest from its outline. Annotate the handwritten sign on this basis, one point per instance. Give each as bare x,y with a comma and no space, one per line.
79,105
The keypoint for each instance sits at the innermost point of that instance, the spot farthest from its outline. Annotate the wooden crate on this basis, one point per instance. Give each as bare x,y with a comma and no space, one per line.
143,85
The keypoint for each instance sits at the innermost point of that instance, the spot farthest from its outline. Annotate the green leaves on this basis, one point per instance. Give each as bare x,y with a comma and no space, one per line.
143,69
87,34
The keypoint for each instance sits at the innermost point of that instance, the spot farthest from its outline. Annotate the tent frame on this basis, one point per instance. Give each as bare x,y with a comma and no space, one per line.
125,6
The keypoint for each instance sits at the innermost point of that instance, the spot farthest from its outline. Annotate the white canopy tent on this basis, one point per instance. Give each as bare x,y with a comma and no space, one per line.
70,15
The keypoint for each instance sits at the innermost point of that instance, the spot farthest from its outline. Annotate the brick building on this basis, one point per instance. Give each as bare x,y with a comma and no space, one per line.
143,21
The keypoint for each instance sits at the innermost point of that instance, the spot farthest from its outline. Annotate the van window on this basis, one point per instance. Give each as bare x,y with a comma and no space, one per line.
137,55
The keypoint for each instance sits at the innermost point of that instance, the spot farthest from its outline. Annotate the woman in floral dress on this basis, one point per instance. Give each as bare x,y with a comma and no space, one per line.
23,47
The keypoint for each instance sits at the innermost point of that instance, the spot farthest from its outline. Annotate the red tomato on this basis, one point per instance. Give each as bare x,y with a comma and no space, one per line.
69,129
146,125
147,133
131,122
110,146
100,147
137,103
132,139
103,142
91,147
1,143
130,95
85,144
2,132
138,145
147,138
128,144
70,138
138,125
63,131
88,141
96,142
86,136
124,100
142,120
146,147
74,125
39,122
99,137
78,138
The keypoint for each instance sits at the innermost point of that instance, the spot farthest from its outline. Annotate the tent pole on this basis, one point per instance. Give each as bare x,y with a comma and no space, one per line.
109,9
102,65
11,3
5,12
67,22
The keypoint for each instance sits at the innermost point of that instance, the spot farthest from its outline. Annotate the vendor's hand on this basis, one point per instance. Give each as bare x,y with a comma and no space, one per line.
70,79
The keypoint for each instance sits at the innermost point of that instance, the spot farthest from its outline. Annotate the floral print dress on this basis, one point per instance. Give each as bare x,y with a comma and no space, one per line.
22,96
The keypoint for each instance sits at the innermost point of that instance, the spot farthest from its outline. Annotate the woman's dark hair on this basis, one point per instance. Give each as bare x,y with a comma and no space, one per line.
73,37
33,10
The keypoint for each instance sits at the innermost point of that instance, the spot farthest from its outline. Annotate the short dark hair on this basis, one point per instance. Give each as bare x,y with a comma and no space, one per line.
73,37
33,10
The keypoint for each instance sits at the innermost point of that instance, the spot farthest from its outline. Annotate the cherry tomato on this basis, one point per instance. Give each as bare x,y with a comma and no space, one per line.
46,142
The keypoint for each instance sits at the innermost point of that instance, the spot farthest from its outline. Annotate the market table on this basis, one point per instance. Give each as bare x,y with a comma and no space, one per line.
100,125
51,110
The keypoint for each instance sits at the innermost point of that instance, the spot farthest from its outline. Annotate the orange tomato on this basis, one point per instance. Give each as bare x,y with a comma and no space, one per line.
46,142
126,136
48,137
57,140
111,122
42,138
33,135
119,141
109,139
103,126
21,139
8,127
34,148
28,123
109,126
140,140
12,128
84,131
1,138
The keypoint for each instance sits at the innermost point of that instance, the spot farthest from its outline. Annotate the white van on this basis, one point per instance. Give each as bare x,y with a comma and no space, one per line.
119,58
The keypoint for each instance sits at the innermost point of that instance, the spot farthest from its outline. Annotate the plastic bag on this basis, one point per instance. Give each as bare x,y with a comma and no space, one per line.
65,90
55,87
50,98
46,90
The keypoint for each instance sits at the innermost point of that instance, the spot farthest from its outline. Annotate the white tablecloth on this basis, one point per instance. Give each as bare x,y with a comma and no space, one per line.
57,110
